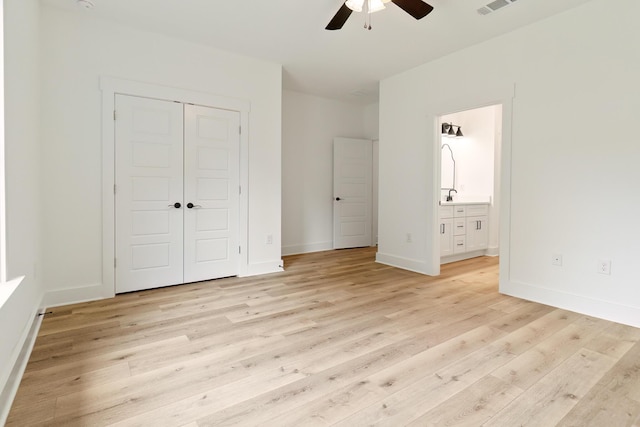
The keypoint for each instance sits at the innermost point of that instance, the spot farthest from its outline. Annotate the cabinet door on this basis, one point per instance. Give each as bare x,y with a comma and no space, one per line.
446,237
477,233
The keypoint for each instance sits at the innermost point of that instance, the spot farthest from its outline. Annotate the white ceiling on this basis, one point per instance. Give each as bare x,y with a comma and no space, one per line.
346,64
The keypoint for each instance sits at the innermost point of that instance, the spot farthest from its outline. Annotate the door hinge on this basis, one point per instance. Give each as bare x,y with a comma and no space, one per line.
114,114
114,263
240,130
239,249
114,189
240,189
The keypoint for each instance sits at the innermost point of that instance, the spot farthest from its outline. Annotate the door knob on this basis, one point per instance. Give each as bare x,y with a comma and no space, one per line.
191,206
338,199
176,205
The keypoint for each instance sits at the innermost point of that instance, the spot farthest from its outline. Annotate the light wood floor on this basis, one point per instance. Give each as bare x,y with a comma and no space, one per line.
335,340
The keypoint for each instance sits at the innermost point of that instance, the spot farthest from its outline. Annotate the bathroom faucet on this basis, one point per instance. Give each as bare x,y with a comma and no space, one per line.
449,197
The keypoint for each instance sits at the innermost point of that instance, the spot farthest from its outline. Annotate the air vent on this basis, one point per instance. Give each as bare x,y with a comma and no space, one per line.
498,4
494,5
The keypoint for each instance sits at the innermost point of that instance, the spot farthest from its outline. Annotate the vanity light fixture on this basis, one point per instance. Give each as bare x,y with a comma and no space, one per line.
447,130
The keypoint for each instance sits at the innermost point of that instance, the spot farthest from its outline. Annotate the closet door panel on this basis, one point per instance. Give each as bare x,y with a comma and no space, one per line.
211,158
149,182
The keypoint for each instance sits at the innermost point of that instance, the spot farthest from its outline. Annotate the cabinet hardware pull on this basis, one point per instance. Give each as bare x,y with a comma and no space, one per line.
460,244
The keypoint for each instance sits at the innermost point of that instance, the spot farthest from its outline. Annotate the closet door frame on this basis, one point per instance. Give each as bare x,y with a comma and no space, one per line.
112,86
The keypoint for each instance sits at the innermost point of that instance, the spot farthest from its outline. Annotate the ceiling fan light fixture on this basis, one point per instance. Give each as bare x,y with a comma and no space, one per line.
376,5
355,5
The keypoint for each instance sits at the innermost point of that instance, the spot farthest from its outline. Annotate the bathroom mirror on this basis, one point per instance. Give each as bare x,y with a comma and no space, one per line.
447,168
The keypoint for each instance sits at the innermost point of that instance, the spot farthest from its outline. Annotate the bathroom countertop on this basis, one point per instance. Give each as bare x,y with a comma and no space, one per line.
467,201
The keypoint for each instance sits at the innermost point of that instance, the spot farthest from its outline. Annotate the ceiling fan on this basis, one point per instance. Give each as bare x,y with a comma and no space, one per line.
416,8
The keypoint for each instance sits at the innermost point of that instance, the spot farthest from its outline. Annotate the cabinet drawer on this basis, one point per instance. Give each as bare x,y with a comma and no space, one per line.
446,211
476,210
459,226
459,211
459,244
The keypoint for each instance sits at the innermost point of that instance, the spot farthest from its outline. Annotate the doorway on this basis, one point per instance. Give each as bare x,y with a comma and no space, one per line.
470,177
176,193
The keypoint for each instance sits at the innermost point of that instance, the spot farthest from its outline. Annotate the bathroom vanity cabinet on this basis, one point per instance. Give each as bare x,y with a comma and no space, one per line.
464,230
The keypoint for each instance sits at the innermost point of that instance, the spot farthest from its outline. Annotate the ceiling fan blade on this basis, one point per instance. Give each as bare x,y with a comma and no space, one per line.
416,8
340,18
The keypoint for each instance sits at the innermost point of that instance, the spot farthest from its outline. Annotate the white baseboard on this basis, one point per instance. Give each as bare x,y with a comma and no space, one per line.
307,248
264,268
602,309
10,389
493,251
459,257
74,295
414,265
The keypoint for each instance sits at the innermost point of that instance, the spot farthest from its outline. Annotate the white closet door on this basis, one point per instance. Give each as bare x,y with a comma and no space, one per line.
149,184
352,181
211,159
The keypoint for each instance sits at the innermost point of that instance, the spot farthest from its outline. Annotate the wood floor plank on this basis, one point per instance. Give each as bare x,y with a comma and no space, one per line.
196,406
615,399
472,406
64,382
549,400
145,392
335,339
534,364
328,410
432,388
258,410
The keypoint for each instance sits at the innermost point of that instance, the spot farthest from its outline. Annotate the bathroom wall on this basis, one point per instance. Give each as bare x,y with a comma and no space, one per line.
474,153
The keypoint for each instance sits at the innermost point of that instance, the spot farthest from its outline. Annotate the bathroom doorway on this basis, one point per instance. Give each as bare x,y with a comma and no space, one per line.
470,176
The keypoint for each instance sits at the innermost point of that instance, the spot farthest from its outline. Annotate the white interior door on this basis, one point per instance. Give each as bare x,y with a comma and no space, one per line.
352,181
148,193
211,159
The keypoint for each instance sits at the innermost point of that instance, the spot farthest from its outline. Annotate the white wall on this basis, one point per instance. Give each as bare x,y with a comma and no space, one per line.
570,178
77,50
371,121
22,165
309,125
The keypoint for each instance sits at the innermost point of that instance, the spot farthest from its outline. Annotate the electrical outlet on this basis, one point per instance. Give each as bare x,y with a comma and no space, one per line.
409,238
556,259
604,266
269,239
